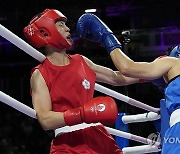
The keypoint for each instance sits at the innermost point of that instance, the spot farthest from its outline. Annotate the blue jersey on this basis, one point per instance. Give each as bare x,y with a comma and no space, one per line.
172,94
171,140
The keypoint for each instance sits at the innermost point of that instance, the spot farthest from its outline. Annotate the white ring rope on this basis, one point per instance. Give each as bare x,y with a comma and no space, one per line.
131,136
17,41
125,98
17,105
141,149
150,116
4,32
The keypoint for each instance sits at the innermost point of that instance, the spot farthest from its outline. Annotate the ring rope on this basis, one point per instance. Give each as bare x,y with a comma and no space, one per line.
17,105
141,149
150,116
124,98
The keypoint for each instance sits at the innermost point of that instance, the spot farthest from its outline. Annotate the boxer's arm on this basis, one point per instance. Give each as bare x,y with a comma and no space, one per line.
42,104
107,75
91,27
145,70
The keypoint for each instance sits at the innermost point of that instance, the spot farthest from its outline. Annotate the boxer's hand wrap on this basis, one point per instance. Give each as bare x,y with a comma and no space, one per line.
90,27
99,109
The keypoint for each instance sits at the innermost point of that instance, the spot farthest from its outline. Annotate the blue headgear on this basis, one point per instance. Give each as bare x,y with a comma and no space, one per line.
175,52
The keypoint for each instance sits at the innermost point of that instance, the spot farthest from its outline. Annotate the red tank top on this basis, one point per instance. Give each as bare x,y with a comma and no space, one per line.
70,86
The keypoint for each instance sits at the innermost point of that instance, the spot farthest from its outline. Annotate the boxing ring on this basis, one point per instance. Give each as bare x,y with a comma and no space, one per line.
153,114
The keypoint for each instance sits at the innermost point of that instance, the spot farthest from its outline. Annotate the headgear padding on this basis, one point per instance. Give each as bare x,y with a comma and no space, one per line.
42,30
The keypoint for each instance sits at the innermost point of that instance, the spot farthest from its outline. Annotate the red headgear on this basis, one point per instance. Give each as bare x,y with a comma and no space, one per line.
42,31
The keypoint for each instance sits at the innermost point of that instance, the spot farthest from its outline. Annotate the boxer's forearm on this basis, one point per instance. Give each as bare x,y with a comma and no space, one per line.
122,62
51,120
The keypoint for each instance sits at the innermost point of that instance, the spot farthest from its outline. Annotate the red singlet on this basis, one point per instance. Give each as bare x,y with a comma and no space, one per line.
71,86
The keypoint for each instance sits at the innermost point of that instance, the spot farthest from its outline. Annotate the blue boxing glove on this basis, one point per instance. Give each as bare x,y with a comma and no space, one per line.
90,27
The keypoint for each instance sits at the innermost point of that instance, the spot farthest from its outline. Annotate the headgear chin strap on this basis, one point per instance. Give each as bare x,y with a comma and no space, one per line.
42,31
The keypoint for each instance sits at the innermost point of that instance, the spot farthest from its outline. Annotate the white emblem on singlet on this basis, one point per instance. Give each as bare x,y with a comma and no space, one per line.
86,84
30,31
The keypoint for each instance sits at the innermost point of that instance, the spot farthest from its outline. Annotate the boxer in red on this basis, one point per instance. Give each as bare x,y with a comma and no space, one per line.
62,90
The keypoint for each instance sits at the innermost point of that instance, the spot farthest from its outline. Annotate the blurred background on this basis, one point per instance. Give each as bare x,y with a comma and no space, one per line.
154,26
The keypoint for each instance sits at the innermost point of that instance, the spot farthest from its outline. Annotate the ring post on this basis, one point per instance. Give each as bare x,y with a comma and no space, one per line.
119,125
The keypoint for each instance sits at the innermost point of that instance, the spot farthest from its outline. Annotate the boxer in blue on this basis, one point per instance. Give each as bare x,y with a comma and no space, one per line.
90,27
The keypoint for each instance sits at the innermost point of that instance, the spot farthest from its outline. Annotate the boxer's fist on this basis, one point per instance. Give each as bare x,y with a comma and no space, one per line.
90,27
99,109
